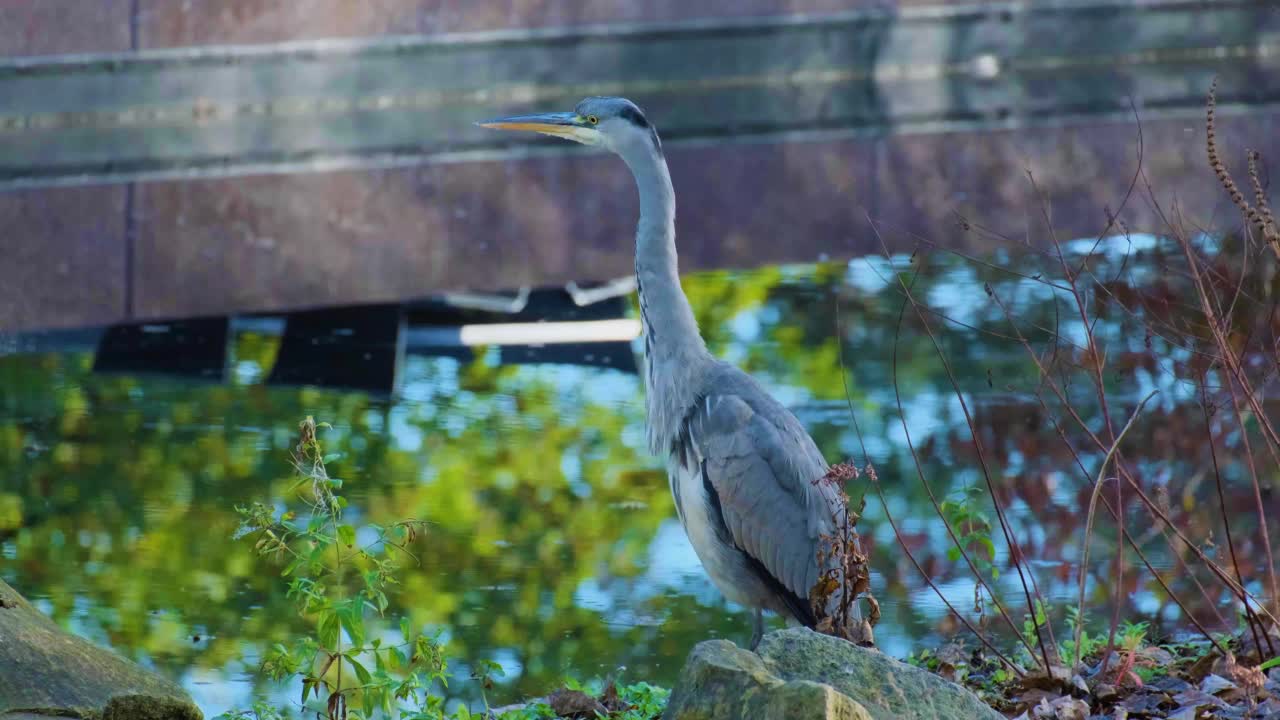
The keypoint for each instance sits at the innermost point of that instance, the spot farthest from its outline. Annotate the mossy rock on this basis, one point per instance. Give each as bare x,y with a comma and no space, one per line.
721,681
50,673
801,674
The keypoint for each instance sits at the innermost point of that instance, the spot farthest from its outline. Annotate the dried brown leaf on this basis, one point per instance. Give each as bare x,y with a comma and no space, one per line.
1105,692
839,474
953,653
610,699
1031,699
575,704
1250,679
1146,703
1057,678
1216,684
1069,708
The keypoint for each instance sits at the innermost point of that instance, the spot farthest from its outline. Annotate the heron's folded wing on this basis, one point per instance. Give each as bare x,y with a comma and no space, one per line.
758,470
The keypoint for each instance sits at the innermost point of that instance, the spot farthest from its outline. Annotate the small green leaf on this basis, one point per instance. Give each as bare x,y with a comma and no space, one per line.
361,672
989,546
332,457
347,535
315,558
353,620
1273,662
329,625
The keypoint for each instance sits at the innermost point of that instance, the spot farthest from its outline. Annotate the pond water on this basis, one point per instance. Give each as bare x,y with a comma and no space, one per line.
552,547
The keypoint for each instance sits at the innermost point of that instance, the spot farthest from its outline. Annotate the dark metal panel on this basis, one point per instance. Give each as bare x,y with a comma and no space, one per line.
359,347
195,347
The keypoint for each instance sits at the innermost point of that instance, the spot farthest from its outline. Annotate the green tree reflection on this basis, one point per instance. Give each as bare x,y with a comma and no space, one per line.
117,492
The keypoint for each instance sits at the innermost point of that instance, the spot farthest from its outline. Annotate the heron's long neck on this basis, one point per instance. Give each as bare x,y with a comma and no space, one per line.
674,351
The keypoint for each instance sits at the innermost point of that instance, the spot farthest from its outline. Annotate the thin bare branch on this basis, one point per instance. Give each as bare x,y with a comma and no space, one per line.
844,381
937,508
1093,507
933,586
1257,500
1015,551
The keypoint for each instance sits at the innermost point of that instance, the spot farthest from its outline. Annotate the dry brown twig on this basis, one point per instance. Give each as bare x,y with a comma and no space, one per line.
845,572
1093,507
1015,550
1259,194
1261,216
919,470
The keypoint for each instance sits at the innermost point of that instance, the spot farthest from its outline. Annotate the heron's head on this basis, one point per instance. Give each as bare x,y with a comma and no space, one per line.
613,123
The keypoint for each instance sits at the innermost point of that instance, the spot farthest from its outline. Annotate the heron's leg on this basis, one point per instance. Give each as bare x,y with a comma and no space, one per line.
757,629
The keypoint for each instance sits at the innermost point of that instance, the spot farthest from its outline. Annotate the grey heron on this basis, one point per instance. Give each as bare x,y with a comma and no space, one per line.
743,472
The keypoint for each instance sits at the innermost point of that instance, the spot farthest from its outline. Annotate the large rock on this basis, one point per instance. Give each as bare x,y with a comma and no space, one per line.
721,681
806,676
48,673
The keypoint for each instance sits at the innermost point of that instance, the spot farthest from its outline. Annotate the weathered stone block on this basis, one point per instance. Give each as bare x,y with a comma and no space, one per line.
52,673
801,674
62,257
51,27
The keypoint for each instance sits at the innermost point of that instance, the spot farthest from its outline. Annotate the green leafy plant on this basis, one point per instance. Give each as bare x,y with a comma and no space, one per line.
646,701
962,511
322,558
640,701
1032,624
1088,645
484,671
260,711
973,529
923,659
1133,635
337,577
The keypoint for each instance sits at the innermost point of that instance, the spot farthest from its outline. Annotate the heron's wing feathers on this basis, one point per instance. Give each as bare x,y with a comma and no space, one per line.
761,473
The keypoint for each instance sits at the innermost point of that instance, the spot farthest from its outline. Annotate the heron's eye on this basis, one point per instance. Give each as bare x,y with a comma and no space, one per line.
593,119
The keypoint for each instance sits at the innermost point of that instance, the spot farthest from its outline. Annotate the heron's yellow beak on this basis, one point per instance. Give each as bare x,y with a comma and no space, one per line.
565,125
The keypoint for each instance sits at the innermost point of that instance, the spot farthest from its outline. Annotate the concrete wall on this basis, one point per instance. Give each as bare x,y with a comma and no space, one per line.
39,27
72,256
272,242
